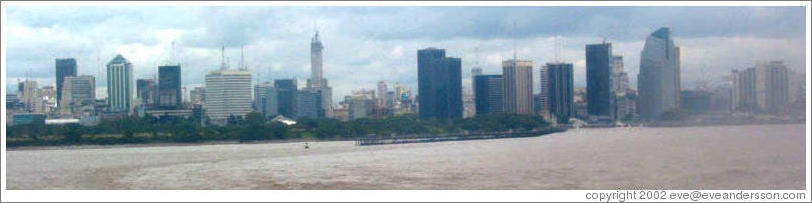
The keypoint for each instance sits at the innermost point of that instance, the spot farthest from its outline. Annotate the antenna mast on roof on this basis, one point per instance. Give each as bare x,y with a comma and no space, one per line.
556,48
242,58
172,54
476,55
98,67
223,57
514,41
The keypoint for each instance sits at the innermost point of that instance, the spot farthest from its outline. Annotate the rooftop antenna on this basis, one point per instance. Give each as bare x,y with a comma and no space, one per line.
557,49
98,66
514,40
242,58
476,55
223,57
172,53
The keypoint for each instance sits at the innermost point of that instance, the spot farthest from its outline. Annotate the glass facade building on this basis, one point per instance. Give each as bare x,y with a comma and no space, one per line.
439,82
488,94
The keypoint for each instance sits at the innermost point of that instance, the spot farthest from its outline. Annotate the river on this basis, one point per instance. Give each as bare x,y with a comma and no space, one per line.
710,157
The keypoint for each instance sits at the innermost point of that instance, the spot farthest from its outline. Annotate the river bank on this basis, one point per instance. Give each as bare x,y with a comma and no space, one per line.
163,144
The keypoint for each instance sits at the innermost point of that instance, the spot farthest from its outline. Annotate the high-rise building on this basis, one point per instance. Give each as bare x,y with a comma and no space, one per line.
380,95
468,103
627,105
269,104
260,94
79,94
286,97
317,81
146,91
360,104
772,87
308,103
316,57
48,94
517,78
620,80
560,91
489,93
228,93
542,101
743,96
12,101
439,82
600,96
169,87
658,81
64,67
119,84
31,97
197,95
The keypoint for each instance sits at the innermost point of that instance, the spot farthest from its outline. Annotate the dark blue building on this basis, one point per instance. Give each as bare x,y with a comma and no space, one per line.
439,81
308,103
169,87
286,97
599,92
488,94
560,91
64,67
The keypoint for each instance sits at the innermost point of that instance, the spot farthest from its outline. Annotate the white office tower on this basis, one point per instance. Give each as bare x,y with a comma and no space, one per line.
228,93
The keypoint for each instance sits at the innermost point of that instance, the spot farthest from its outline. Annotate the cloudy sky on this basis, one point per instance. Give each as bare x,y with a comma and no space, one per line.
364,45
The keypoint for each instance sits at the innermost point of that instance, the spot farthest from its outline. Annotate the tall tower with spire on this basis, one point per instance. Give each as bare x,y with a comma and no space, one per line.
317,83
316,49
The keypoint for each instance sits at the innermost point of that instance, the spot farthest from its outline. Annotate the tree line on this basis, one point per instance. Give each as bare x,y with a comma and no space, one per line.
254,127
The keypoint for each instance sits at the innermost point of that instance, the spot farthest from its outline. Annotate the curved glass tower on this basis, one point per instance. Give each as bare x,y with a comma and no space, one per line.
658,81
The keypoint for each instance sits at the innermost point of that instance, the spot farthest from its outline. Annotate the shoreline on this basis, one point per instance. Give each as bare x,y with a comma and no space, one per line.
225,142
159,144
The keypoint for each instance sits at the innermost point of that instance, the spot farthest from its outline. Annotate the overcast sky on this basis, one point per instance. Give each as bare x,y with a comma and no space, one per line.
366,44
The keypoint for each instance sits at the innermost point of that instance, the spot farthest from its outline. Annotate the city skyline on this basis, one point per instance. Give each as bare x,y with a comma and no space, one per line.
362,52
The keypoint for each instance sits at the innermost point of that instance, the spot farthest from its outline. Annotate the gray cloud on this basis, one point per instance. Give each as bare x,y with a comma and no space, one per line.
368,44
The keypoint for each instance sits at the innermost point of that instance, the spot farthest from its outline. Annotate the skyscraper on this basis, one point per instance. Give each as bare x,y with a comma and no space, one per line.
146,91
744,90
31,98
380,94
620,80
439,82
262,98
489,93
169,87
517,78
658,81
119,84
772,87
316,57
286,97
543,104
79,94
560,91
599,91
64,67
228,93
197,95
317,81
308,103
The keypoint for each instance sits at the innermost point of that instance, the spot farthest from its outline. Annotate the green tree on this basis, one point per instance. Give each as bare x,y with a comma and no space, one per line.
73,133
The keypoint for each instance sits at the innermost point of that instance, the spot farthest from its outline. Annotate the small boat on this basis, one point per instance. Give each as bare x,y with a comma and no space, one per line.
307,146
